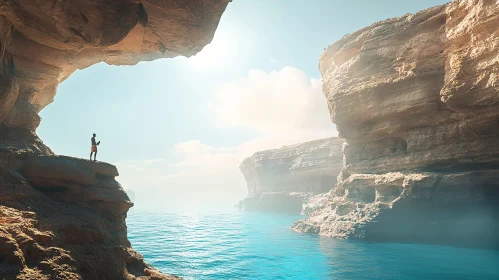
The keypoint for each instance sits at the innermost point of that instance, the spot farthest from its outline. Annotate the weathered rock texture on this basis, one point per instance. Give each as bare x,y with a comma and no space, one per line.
416,99
64,218
60,217
43,42
283,179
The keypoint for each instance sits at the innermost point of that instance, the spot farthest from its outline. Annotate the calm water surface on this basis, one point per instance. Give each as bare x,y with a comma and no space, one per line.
237,245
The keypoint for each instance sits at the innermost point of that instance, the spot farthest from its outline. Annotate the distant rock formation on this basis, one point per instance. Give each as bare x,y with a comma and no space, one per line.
284,179
416,99
131,195
60,217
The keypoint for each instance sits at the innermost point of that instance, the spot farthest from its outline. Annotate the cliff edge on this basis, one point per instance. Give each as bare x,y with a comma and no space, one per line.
416,99
62,217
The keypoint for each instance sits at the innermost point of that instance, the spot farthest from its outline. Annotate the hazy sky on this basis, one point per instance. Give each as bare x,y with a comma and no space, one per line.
178,128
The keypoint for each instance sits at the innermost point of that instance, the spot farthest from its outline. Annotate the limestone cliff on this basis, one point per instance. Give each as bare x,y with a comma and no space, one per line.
283,179
60,217
416,99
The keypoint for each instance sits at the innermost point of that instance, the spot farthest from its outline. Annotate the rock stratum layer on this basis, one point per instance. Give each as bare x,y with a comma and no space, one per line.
283,179
61,217
64,218
416,99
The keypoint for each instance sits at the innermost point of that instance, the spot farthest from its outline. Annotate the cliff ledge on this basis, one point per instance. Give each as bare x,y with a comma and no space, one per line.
62,217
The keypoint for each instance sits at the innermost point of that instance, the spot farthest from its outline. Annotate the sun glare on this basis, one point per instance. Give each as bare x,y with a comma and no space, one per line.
220,53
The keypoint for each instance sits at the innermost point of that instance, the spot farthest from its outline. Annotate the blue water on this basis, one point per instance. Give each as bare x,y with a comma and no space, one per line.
238,245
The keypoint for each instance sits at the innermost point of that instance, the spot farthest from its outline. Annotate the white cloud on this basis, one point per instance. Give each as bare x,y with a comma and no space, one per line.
282,100
273,61
284,107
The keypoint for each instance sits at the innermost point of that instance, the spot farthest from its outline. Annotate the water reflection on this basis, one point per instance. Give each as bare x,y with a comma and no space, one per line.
362,260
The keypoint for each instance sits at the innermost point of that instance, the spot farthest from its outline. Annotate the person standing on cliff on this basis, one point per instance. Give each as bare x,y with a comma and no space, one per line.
94,148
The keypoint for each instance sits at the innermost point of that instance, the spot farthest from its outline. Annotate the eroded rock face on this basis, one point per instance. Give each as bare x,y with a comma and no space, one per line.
61,217
43,42
283,179
416,99
64,218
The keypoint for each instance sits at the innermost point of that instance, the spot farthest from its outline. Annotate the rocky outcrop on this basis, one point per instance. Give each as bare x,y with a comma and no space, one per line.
43,42
283,179
61,217
314,202
64,218
416,99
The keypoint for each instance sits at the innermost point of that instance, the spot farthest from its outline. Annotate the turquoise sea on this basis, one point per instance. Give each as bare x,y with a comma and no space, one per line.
233,244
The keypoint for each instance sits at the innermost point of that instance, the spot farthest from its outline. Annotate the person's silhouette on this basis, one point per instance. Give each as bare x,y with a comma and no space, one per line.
94,148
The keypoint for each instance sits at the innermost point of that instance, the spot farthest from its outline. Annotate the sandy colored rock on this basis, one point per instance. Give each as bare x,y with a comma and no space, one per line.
43,42
283,179
62,217
416,99
8,94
